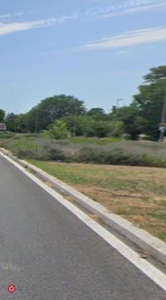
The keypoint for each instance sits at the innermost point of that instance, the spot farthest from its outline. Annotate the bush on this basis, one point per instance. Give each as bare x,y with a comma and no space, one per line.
58,155
23,153
116,153
58,130
116,129
40,154
87,155
115,157
6,135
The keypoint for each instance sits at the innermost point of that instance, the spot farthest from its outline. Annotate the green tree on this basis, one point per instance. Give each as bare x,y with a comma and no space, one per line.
102,128
58,130
22,123
116,128
33,120
133,123
53,108
11,122
2,115
155,74
85,125
97,113
149,101
17,123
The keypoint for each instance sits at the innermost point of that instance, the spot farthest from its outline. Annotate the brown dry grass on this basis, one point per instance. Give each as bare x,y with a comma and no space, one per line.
136,193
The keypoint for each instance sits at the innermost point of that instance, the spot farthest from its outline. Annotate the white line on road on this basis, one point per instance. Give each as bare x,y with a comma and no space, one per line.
149,270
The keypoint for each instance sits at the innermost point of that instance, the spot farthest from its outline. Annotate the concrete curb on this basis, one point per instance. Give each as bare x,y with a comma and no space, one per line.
150,244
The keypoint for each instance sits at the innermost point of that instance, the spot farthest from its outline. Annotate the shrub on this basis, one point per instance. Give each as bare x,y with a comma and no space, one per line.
40,154
6,135
58,130
119,156
23,153
131,153
58,155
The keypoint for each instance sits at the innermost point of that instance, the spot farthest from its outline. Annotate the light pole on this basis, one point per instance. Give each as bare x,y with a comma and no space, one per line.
163,119
36,121
117,101
74,124
15,122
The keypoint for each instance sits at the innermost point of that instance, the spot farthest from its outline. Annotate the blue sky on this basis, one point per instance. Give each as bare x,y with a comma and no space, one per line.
96,50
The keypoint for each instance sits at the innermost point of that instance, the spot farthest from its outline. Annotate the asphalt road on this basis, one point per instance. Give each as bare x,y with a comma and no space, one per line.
49,254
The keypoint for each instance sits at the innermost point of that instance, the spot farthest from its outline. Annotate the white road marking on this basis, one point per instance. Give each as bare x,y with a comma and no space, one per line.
149,270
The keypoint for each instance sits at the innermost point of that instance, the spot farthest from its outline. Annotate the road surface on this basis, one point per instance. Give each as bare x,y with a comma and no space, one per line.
49,254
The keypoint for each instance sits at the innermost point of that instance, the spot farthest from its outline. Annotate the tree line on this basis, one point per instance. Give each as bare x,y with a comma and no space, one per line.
62,115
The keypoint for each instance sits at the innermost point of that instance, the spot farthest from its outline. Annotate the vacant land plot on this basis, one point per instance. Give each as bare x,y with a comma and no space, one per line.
136,193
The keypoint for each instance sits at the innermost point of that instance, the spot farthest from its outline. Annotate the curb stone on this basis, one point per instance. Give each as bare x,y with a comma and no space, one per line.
144,240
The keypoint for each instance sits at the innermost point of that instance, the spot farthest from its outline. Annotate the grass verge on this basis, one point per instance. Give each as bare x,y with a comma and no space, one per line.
136,193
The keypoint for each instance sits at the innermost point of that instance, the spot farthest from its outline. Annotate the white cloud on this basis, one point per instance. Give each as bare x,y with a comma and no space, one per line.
132,10
6,28
19,14
130,38
125,7
5,16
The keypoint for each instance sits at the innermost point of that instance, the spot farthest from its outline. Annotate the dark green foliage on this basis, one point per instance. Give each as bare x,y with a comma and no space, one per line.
2,115
142,116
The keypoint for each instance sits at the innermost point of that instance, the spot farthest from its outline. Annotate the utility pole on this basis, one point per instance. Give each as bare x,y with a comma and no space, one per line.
74,124
163,119
15,123
117,101
36,121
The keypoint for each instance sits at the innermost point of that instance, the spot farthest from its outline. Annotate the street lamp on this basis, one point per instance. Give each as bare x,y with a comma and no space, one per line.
117,101
15,122
74,123
162,126
36,120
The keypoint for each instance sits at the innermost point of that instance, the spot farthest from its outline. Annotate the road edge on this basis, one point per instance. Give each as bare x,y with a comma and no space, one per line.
144,240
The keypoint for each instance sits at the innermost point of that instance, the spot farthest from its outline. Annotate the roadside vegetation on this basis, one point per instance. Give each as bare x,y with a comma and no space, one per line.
65,116
103,155
137,194
106,151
